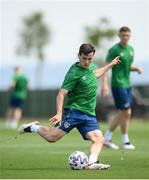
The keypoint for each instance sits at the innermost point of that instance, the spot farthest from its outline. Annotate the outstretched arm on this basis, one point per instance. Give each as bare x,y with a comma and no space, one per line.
59,104
136,69
101,71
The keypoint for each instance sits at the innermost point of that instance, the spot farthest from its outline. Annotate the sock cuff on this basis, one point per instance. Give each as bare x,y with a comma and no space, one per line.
125,138
35,128
92,158
108,135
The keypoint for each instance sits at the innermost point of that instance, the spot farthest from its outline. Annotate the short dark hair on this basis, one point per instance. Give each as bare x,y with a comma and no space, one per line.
124,29
86,48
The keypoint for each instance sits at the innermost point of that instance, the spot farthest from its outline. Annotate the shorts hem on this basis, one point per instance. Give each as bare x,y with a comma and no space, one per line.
124,108
84,136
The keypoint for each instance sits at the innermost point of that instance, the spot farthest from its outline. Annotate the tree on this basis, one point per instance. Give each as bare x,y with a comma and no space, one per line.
99,35
34,36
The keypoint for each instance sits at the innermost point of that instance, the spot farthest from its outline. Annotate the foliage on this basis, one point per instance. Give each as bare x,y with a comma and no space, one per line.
34,36
100,34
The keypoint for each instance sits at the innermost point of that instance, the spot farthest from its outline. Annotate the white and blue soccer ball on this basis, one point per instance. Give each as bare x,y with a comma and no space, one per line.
78,160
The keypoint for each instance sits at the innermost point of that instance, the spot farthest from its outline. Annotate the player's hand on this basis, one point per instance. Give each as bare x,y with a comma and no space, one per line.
104,90
116,60
55,119
139,70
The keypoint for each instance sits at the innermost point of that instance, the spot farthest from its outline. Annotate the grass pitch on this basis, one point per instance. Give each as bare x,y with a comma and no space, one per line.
29,156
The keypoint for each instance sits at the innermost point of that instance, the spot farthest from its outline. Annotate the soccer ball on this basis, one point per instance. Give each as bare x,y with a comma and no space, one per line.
77,160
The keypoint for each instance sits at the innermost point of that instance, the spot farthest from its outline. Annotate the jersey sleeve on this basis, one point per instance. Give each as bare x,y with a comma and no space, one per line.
110,56
69,81
133,54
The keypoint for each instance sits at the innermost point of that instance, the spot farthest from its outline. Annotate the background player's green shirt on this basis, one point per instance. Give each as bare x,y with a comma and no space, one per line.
121,72
20,89
81,84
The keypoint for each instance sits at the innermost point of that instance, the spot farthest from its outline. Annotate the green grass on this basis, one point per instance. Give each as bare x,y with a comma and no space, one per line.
29,156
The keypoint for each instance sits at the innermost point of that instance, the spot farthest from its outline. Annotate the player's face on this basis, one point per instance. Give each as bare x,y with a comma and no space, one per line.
85,60
124,37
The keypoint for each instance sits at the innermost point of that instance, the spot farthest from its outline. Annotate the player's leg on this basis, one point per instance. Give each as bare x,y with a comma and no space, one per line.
54,133
9,117
97,141
121,118
126,111
17,114
89,129
124,123
122,98
126,115
49,134
115,122
10,113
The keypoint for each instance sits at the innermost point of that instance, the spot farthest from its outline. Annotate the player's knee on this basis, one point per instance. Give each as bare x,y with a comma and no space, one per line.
99,139
52,139
128,112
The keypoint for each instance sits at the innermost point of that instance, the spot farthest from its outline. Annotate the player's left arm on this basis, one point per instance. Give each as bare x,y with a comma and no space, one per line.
137,69
101,71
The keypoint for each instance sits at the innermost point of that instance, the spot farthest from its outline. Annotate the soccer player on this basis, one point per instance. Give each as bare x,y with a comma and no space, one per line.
18,90
121,88
79,111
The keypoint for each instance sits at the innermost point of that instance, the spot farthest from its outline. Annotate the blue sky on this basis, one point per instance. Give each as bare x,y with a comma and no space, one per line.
67,20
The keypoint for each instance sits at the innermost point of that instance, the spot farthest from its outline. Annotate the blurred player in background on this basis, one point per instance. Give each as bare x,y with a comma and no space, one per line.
18,93
80,85
121,88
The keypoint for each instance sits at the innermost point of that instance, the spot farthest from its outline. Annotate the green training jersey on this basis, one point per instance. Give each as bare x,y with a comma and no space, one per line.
81,84
20,88
121,72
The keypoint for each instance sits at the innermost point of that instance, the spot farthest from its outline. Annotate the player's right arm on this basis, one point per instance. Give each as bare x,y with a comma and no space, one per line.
59,104
68,85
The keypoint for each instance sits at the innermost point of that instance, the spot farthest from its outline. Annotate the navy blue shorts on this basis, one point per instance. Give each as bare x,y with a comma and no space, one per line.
16,102
122,98
76,119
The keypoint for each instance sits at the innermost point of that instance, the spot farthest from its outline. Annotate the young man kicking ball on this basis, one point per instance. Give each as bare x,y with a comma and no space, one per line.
79,112
121,88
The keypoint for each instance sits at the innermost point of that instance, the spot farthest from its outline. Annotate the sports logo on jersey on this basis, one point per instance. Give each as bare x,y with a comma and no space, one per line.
66,125
131,53
121,54
84,78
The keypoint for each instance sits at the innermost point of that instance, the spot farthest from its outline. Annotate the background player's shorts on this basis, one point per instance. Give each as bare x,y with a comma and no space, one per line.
75,119
122,98
16,102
